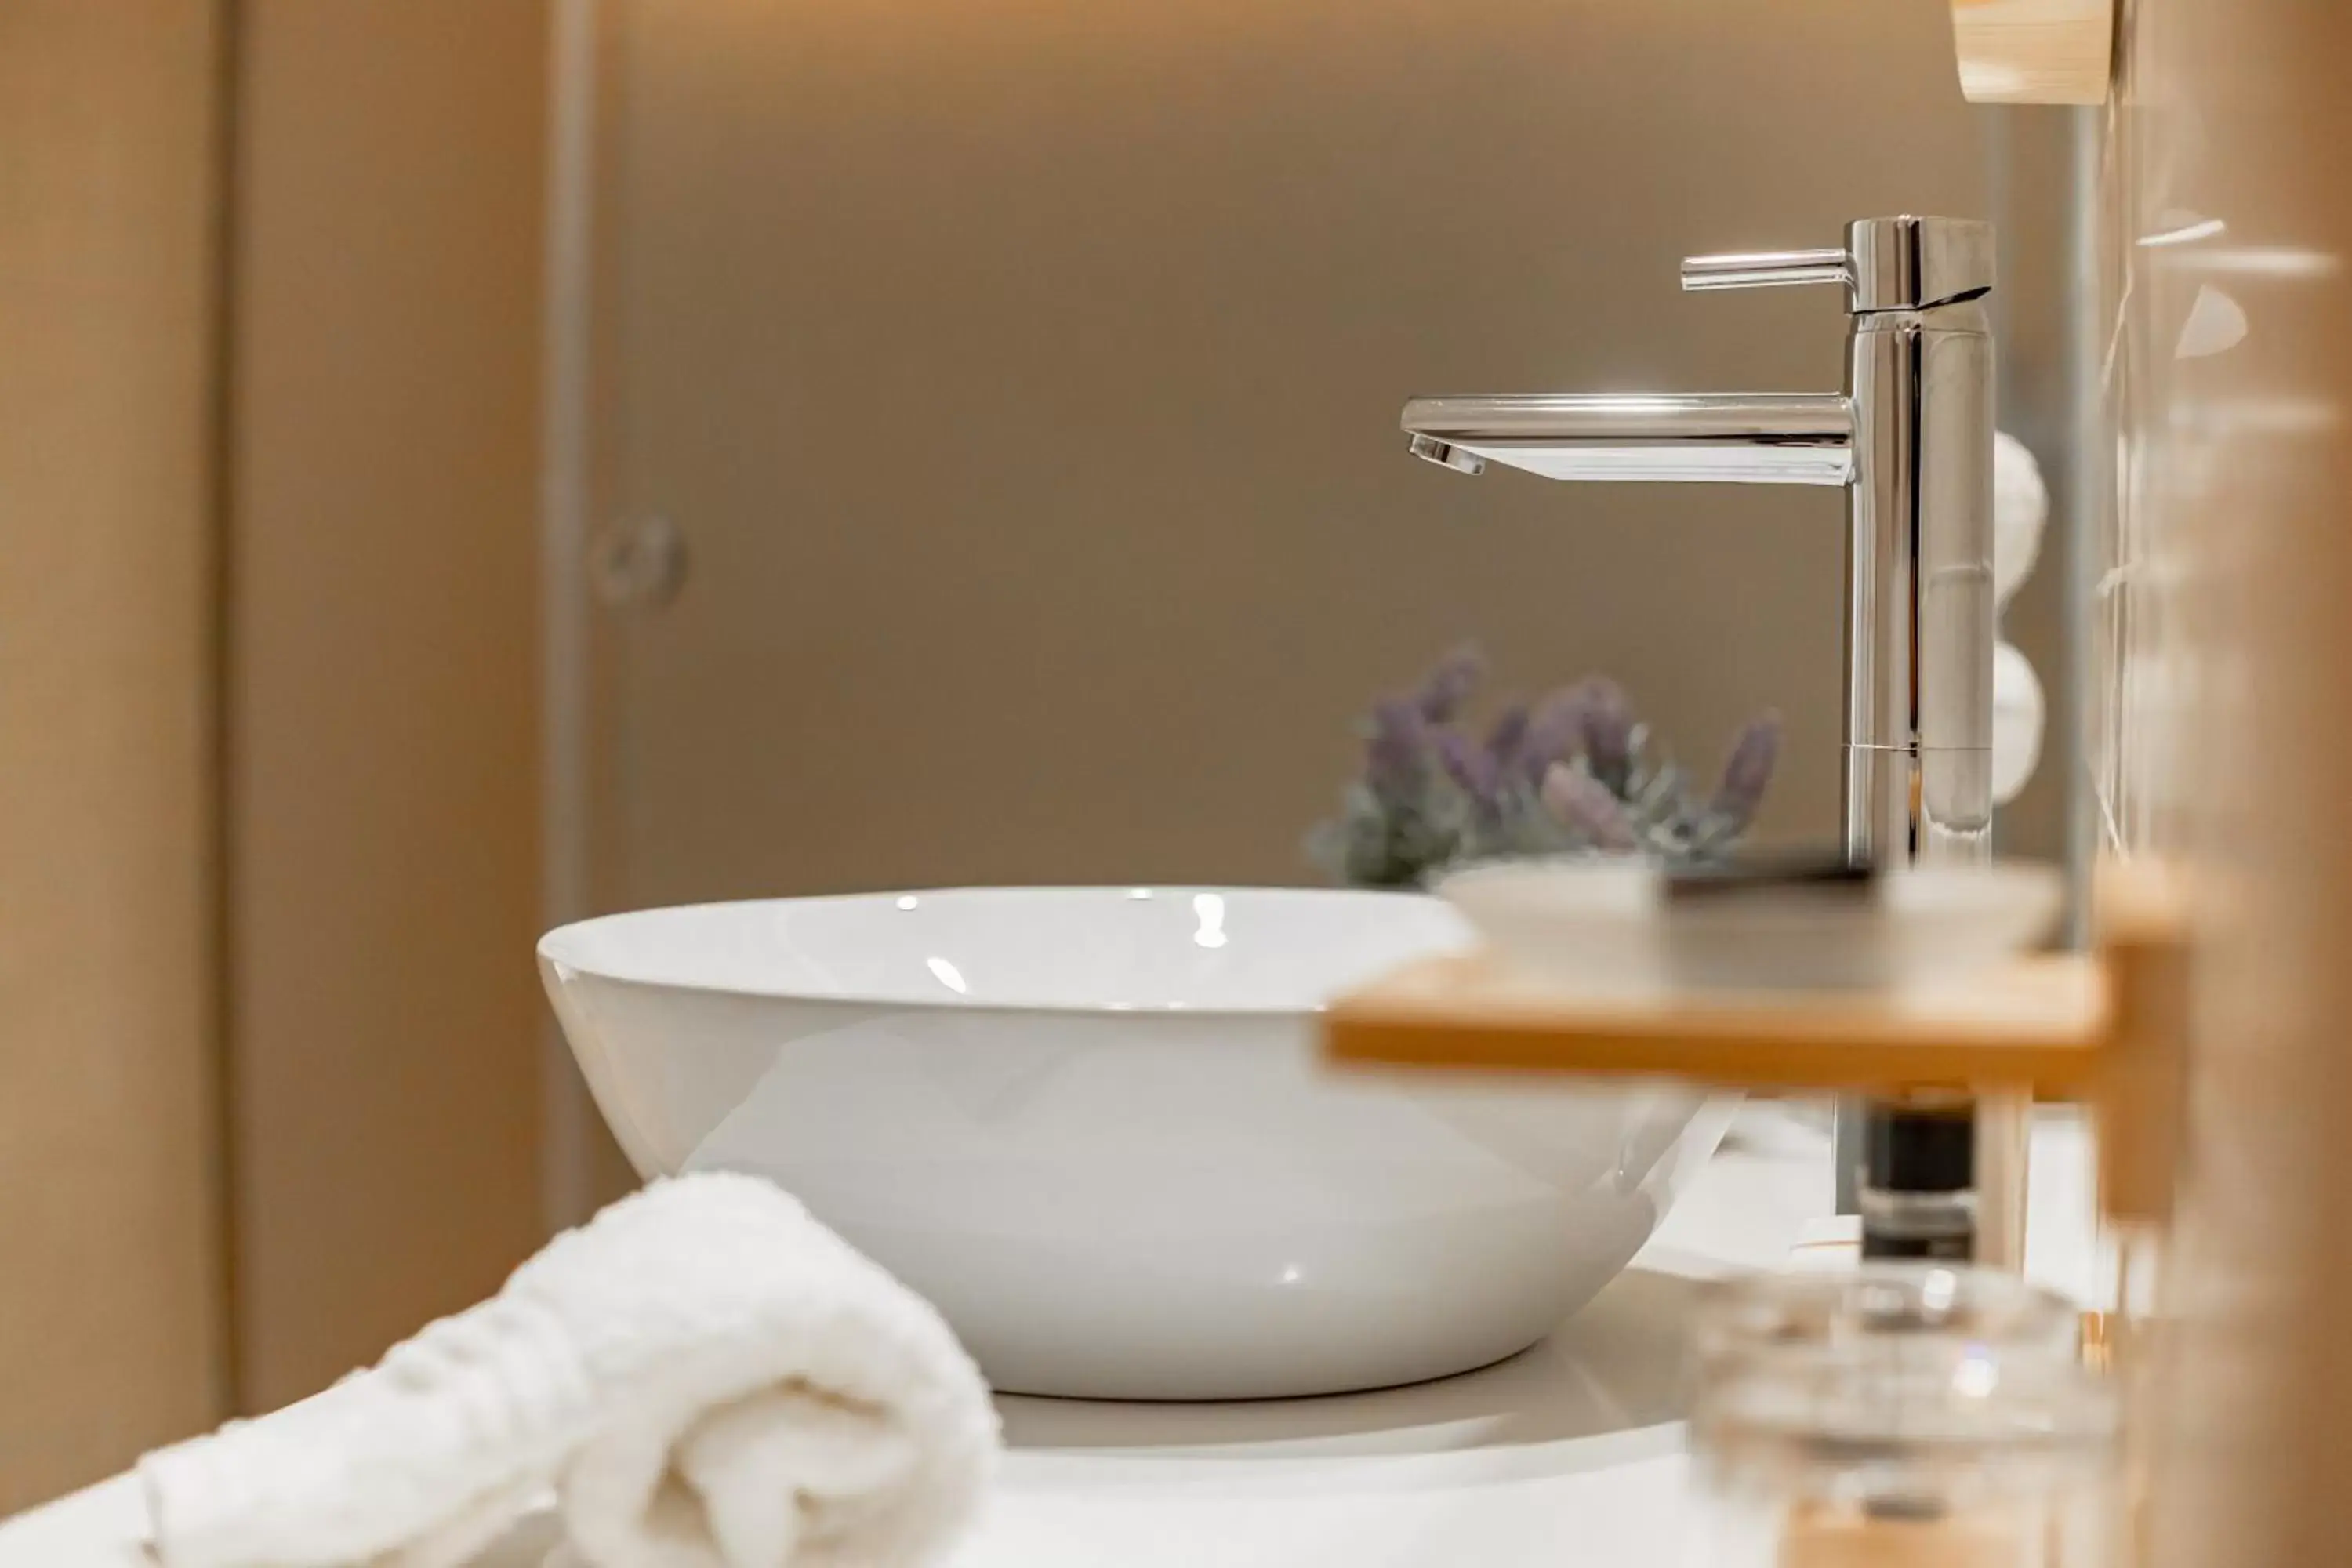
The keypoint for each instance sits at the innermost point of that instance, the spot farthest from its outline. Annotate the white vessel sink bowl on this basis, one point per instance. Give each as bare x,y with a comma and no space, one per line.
1090,1125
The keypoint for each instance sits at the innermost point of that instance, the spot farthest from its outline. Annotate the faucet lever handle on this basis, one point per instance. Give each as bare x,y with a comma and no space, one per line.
1887,263
1767,268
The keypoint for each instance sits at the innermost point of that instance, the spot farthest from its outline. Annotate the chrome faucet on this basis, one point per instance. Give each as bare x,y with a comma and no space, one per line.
1911,439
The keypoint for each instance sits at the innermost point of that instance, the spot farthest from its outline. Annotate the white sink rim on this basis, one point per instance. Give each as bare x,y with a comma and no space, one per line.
579,948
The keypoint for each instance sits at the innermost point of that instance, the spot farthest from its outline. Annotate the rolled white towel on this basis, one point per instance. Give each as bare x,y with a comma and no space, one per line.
706,1376
2018,718
2021,509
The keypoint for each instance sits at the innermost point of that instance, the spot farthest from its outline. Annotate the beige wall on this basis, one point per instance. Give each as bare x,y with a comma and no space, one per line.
2233,746
382,692
1024,378
277,710
110,1318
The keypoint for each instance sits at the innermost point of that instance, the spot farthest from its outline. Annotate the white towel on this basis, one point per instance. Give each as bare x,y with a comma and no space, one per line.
706,1376
2020,510
2018,718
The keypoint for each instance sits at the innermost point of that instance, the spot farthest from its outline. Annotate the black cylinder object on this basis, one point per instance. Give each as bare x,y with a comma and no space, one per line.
1919,1180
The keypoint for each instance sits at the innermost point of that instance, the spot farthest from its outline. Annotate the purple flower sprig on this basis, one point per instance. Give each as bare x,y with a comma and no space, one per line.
1571,774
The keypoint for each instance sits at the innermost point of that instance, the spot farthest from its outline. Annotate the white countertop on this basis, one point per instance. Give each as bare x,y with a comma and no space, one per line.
1570,1454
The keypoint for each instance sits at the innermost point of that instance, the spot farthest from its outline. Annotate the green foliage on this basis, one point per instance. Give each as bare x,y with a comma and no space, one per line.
1572,775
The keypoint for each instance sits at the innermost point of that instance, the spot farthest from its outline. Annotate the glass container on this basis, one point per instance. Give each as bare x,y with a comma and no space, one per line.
1900,1415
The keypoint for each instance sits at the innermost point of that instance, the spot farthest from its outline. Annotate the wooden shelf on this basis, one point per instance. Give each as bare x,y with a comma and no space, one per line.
2108,1028
2036,1027
2035,51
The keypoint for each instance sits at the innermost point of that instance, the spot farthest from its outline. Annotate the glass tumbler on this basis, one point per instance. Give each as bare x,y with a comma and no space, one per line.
1899,1415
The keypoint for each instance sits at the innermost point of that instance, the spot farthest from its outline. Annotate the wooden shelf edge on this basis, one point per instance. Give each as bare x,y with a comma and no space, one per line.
2035,51
2036,1027
2109,1028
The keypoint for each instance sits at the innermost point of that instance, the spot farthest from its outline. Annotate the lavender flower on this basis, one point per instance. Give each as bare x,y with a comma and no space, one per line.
1506,739
1470,766
1395,751
1609,734
1747,774
1573,774
1555,732
1583,803
1450,685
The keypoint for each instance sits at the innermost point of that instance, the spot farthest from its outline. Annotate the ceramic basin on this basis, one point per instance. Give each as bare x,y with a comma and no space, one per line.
1090,1125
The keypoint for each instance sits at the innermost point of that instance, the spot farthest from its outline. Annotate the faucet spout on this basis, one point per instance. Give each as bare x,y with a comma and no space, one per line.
1754,438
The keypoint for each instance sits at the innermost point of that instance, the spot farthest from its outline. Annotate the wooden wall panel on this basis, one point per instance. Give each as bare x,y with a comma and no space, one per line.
2233,378
382,687
2034,52
109,1313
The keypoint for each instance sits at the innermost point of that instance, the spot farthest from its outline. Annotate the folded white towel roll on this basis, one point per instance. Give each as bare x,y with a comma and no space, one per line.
706,1376
2018,718
2020,510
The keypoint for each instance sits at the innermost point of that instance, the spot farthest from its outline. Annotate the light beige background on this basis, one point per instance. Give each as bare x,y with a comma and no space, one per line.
110,1309
382,688
1025,378
269,1070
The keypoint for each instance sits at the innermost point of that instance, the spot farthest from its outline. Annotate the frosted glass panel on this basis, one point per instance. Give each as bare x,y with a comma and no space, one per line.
1022,380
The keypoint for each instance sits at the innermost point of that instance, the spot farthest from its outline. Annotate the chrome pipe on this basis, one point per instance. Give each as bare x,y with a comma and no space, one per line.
1919,588
1767,269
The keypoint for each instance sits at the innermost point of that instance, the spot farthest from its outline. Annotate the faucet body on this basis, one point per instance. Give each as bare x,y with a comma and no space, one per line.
1910,439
